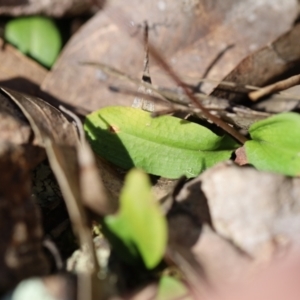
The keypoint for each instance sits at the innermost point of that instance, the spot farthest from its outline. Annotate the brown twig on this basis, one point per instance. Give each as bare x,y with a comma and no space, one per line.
239,137
275,87
119,18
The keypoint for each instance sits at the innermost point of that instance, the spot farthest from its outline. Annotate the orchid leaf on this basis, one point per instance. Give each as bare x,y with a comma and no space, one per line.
139,224
275,144
164,146
37,36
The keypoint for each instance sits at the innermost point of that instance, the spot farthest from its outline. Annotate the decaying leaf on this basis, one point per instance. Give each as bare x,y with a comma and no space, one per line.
19,72
189,33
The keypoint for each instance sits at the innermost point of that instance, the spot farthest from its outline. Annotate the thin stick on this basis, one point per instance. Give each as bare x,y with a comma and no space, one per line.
140,102
275,87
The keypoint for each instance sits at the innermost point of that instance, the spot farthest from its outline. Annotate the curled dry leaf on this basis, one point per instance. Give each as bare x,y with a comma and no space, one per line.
14,127
191,34
21,250
58,287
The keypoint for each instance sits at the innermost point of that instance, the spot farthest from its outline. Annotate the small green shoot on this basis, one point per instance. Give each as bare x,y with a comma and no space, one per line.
170,288
37,36
164,146
275,144
139,224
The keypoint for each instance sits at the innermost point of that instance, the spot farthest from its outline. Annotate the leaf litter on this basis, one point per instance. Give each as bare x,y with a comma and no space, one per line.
225,226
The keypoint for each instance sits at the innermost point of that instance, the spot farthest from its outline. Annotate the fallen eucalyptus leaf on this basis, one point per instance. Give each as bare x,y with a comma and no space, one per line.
275,144
140,224
36,36
164,146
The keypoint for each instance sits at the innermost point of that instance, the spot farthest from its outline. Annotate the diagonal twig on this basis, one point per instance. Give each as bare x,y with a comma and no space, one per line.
275,87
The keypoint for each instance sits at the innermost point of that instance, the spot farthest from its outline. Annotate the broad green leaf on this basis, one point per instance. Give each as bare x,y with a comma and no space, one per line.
170,288
275,144
164,146
36,36
140,223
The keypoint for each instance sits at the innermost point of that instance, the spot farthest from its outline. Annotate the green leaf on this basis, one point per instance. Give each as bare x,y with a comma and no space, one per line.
164,146
276,144
140,223
170,288
36,36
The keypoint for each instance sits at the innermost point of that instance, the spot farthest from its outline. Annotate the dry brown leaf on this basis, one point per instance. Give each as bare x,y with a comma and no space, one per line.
19,72
189,34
